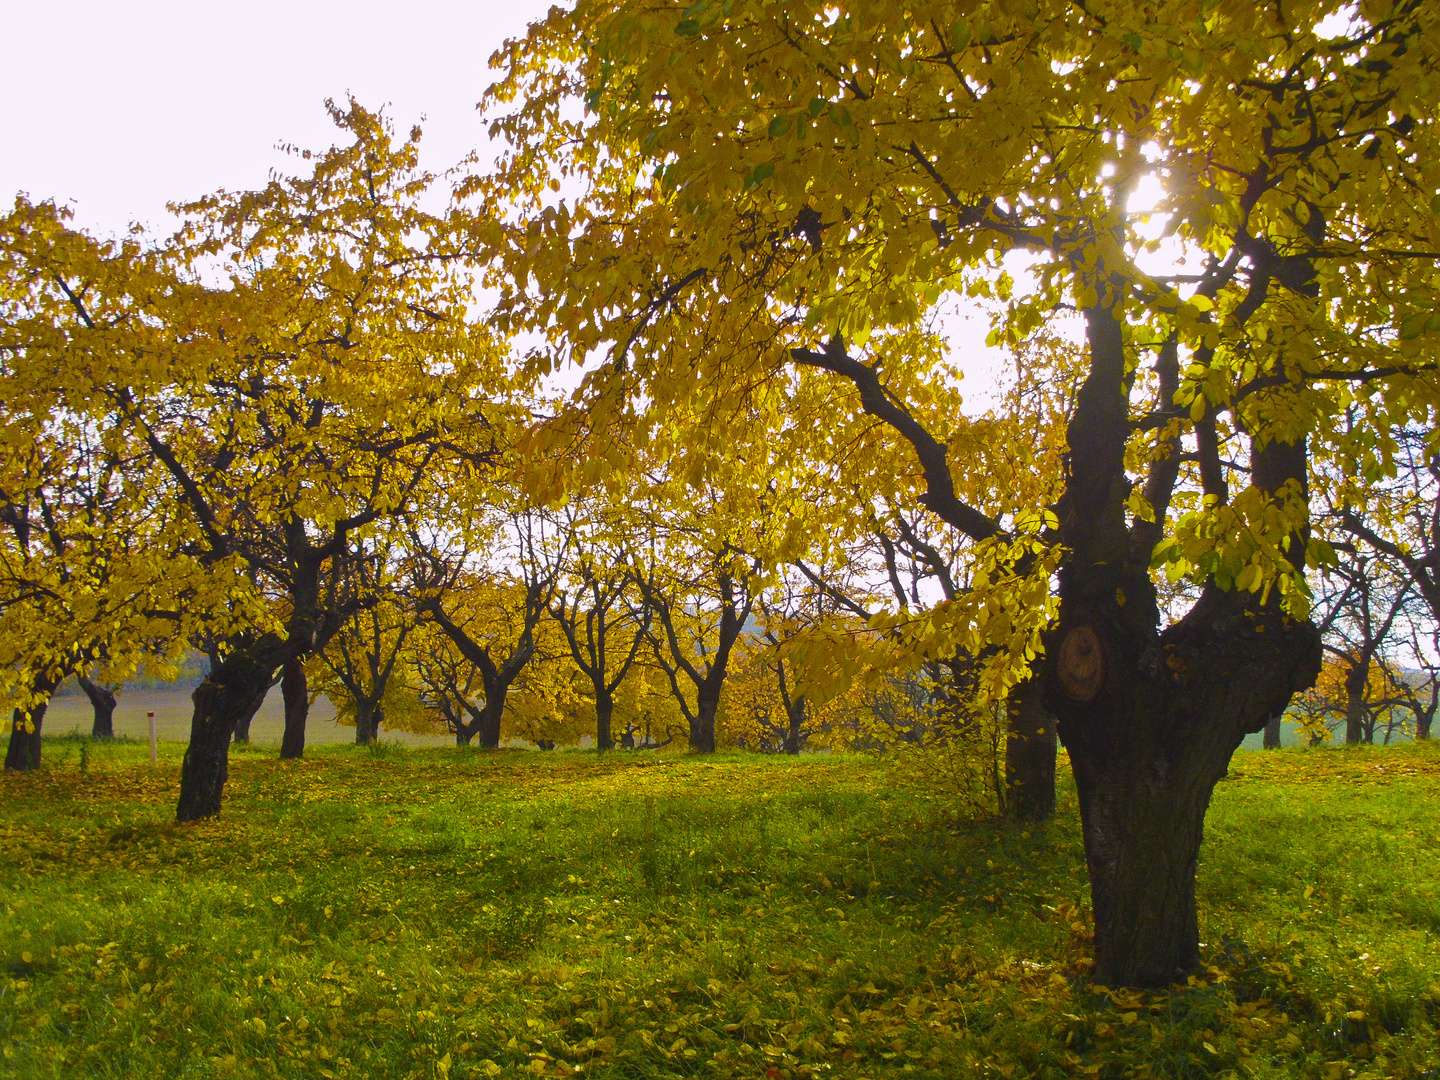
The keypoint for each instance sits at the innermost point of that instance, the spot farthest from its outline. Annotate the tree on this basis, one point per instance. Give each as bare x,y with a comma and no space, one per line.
360,659
1364,599
285,413
593,607
700,617
491,611
815,178
103,701
80,581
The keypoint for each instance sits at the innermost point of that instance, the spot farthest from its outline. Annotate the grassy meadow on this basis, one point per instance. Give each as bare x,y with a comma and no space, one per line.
434,913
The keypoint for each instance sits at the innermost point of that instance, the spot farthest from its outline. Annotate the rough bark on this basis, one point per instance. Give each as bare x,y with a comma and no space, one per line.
604,713
295,691
232,692
702,725
368,717
1151,719
488,722
23,752
795,726
1147,751
1030,749
1272,733
103,701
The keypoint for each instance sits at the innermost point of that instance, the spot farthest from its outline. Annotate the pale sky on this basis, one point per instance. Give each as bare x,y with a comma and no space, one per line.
119,107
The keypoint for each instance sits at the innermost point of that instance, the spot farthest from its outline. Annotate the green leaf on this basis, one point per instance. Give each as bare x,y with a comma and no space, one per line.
687,28
779,126
1414,325
960,34
760,173
839,116
818,105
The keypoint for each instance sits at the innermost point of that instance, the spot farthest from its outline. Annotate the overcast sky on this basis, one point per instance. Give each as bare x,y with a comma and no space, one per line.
119,107
116,108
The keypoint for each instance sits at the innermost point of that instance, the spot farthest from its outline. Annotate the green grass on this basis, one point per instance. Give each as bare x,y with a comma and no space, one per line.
397,912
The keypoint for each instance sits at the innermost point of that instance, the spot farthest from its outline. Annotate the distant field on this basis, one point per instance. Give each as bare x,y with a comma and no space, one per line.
172,711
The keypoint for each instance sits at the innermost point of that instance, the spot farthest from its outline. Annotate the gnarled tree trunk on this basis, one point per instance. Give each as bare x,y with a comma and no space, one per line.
1150,717
295,691
233,691
488,727
1147,750
1030,749
103,701
794,725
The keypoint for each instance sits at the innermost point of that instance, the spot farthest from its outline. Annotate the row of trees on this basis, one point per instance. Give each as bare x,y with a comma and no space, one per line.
741,223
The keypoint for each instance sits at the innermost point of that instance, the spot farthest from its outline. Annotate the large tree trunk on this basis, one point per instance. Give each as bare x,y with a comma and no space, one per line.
1151,718
489,726
103,701
1272,733
1147,749
232,692
1423,720
1030,747
295,691
23,753
604,712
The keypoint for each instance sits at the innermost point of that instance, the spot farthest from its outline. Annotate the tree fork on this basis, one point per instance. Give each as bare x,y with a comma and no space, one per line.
1151,719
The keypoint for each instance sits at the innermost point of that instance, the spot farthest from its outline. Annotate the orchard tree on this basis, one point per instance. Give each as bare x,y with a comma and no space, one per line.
1361,599
491,605
297,362
358,666
86,580
769,186
598,611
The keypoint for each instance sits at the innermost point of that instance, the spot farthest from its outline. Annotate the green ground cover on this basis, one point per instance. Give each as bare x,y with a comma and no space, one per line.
453,914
